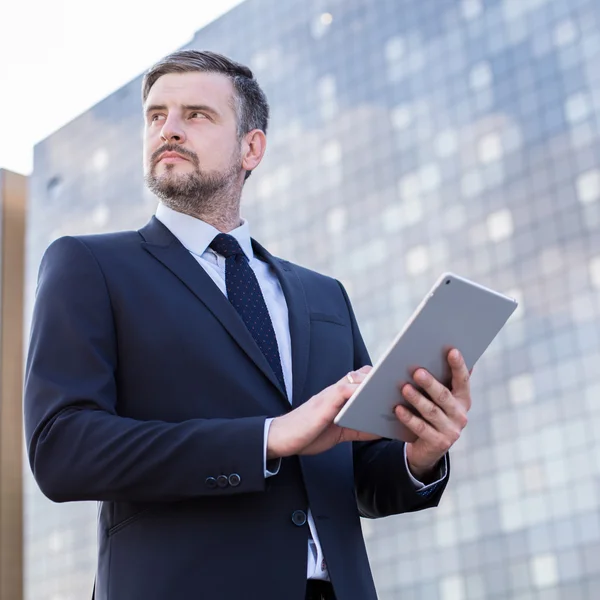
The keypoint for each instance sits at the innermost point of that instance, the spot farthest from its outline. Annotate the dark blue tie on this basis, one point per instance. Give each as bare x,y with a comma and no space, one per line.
246,296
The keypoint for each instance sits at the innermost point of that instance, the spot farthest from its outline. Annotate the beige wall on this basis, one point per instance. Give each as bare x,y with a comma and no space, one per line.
13,192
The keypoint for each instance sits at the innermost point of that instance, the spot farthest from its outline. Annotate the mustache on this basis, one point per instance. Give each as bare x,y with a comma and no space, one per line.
174,148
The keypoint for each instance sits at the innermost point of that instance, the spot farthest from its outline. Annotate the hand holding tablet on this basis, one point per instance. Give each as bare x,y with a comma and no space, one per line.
441,414
456,314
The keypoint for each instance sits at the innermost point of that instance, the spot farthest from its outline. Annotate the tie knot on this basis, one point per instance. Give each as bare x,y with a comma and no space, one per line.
226,245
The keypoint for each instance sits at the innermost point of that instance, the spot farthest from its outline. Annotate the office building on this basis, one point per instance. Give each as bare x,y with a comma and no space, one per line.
408,138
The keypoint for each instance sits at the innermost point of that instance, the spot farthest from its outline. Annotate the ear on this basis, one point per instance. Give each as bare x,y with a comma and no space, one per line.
254,145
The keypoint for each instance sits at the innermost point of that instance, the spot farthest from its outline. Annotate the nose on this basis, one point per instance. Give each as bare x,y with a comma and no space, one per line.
172,132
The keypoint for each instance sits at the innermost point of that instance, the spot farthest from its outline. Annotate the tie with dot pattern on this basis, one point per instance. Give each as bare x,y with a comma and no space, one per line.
246,296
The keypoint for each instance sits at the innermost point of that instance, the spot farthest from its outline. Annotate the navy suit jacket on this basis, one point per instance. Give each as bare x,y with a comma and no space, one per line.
146,392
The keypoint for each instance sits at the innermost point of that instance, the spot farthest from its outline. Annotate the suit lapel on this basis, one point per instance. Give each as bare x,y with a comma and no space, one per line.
167,249
298,316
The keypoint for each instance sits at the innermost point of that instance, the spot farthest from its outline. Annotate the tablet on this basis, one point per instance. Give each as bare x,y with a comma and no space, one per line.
456,313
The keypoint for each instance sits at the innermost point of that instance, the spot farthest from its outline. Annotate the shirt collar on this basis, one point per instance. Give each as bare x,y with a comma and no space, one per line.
196,235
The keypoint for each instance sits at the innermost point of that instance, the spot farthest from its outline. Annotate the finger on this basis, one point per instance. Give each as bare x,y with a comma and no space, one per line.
439,393
366,369
429,410
352,435
461,377
342,392
423,430
327,404
349,379
355,377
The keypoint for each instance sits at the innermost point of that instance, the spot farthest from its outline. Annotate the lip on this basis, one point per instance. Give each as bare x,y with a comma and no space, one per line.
171,157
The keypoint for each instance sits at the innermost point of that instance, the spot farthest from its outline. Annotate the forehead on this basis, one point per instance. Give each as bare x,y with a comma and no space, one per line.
212,89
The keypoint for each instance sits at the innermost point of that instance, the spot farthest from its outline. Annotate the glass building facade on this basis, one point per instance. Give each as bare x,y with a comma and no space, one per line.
407,138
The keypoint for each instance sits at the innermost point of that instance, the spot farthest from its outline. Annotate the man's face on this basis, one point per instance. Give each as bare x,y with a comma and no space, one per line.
191,147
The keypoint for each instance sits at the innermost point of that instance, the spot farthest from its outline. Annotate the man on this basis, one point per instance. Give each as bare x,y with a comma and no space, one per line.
187,380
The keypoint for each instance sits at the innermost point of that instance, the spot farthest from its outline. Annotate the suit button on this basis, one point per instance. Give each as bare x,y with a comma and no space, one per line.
222,481
234,480
211,483
299,518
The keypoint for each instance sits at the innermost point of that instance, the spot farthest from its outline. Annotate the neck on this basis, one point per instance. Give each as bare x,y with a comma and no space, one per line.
221,210
225,220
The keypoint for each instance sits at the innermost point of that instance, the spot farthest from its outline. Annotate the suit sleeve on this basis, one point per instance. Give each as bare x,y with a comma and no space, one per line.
383,484
79,448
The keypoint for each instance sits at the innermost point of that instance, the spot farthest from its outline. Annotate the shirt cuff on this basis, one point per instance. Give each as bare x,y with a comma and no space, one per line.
419,485
271,466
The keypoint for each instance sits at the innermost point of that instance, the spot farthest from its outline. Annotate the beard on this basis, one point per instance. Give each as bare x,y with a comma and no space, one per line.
196,193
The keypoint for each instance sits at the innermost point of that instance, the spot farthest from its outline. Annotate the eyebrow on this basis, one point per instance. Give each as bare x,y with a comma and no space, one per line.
198,107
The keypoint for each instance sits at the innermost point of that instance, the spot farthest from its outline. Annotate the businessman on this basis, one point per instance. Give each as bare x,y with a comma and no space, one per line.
188,380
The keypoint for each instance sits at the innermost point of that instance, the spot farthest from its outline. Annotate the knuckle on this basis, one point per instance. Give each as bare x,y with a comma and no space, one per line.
420,427
450,439
432,411
463,420
444,444
445,396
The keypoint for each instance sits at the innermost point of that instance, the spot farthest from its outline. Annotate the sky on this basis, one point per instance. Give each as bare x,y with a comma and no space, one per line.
60,57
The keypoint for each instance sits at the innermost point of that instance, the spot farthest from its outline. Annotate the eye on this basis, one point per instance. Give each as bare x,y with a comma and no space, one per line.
197,115
156,117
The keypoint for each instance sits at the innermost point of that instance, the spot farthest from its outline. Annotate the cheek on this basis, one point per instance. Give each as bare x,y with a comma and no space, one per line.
146,160
148,148
224,153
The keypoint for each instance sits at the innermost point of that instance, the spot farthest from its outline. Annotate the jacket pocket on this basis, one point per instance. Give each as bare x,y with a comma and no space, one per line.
126,522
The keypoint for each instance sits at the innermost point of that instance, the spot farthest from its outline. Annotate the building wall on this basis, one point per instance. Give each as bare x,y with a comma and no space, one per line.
408,138
13,191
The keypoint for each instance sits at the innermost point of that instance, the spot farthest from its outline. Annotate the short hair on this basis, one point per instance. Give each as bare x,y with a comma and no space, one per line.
250,102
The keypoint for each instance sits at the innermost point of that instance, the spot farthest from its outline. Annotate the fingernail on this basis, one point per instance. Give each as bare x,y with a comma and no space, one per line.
402,413
422,376
455,355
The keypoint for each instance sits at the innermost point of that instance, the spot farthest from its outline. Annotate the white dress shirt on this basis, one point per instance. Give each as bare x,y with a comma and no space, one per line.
196,236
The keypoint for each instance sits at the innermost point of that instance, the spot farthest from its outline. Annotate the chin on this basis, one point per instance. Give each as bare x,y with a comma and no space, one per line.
178,167
170,173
